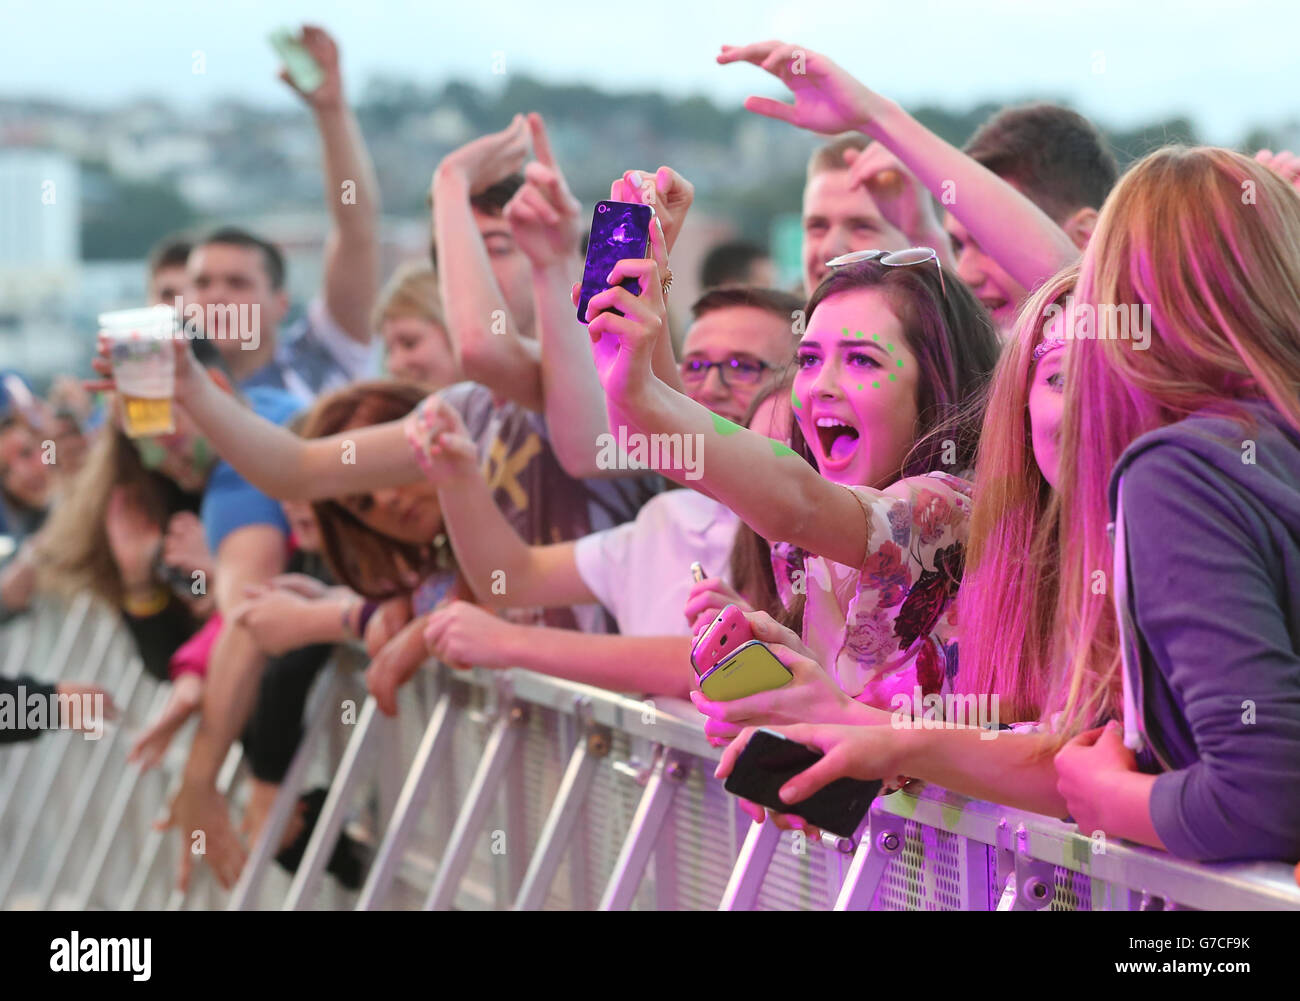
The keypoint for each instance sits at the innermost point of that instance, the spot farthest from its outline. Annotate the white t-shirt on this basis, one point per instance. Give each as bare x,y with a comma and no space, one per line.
641,571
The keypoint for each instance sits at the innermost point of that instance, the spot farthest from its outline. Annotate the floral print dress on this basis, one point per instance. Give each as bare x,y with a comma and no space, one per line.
890,626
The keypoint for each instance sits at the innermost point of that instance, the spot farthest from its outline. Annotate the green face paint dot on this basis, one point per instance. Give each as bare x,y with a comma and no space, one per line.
900,363
893,378
844,331
860,334
859,387
779,449
875,385
889,348
875,337
724,426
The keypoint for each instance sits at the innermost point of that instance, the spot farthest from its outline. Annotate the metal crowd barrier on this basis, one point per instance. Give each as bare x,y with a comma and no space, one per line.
511,790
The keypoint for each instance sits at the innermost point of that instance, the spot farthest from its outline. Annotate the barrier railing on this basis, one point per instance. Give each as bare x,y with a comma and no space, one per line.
514,790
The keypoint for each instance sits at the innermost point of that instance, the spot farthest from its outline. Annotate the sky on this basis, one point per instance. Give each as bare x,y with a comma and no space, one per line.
1227,66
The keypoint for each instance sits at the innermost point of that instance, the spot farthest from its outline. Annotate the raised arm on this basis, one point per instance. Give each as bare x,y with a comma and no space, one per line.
502,570
485,336
276,461
773,491
545,219
1013,230
351,195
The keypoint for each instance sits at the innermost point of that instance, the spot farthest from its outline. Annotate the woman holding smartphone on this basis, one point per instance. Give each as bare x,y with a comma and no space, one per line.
873,530
1191,448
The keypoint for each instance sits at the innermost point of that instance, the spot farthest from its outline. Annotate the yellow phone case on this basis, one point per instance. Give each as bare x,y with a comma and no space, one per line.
750,669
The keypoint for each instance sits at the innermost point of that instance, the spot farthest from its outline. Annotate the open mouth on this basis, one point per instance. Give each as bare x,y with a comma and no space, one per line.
838,439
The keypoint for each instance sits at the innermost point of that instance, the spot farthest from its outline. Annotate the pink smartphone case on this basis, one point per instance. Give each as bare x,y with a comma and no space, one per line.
728,631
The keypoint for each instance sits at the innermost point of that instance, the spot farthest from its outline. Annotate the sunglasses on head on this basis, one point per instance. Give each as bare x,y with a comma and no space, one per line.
893,259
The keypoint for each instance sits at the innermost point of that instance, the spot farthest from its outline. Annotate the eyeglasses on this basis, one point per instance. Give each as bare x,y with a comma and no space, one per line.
741,371
894,259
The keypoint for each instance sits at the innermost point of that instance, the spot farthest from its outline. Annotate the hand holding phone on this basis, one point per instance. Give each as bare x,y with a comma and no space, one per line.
620,231
728,631
770,760
751,669
731,663
301,65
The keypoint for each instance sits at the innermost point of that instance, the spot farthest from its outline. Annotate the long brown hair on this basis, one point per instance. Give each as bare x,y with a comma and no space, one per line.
952,337
369,562
1206,239
1007,600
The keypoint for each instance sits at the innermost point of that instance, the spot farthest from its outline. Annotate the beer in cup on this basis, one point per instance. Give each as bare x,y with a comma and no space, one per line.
140,342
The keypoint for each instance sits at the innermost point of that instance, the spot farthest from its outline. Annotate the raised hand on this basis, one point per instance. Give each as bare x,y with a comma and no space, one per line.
902,199
490,158
543,215
623,346
1284,162
446,448
666,191
322,47
826,98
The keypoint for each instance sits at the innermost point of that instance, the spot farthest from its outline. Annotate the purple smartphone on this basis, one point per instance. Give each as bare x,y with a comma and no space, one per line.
619,231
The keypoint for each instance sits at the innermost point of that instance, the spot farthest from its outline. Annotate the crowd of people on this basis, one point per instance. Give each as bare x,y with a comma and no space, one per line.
1029,432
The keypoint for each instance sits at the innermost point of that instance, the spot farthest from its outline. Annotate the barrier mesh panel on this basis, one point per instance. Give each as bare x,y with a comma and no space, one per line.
694,860
1073,891
925,875
600,832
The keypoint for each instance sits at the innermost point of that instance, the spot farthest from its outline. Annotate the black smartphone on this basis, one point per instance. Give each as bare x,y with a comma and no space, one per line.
769,761
619,231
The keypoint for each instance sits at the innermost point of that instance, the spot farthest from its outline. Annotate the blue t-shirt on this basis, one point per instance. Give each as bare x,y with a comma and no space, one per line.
229,500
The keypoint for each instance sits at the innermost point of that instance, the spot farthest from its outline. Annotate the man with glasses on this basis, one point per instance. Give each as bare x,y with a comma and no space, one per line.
738,340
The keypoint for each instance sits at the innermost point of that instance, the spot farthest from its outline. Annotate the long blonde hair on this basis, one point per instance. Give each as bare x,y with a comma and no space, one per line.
1208,239
1008,593
75,553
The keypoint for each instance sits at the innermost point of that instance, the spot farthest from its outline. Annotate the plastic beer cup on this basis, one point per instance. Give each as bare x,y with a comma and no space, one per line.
143,366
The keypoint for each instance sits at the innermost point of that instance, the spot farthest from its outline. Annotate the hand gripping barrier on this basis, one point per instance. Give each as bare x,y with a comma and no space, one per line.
512,790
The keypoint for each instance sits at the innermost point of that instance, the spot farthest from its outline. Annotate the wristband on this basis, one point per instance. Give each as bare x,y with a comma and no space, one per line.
368,609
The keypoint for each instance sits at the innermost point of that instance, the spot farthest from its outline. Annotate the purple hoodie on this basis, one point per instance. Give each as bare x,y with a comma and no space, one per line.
1211,510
